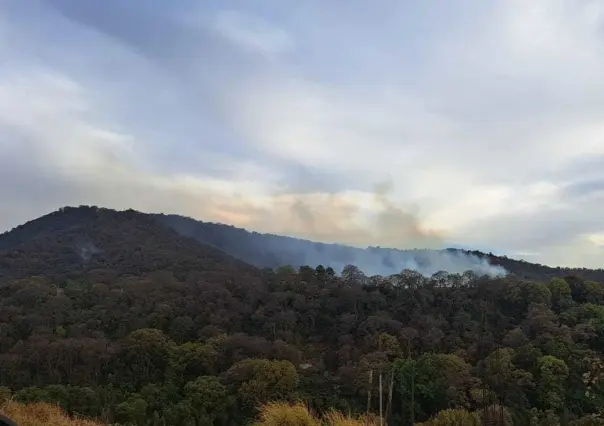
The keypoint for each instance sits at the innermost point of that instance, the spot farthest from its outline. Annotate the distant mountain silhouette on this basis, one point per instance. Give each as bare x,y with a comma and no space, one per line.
73,240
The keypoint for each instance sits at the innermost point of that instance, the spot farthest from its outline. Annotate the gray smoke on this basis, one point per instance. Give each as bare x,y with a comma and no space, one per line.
86,250
394,227
333,220
376,260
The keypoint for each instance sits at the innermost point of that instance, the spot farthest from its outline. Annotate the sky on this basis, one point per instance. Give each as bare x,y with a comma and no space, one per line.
474,123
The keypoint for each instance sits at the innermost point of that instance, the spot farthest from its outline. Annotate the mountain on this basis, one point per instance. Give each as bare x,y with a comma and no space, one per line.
86,238
73,242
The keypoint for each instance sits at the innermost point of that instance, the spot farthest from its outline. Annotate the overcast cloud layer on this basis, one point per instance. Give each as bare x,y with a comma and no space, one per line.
433,123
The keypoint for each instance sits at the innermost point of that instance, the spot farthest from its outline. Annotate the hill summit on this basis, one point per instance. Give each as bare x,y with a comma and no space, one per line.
76,240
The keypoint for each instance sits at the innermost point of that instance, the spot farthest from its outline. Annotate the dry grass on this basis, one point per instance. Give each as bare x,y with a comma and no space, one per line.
41,414
335,418
272,414
283,414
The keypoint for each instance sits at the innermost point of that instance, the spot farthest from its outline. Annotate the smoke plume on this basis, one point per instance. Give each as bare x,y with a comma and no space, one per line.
393,226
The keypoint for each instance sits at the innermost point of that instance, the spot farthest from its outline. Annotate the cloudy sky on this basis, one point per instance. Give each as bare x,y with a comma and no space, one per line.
397,123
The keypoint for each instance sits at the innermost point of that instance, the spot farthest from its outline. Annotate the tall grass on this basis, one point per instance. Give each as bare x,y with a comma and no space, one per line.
40,414
335,418
283,414
272,414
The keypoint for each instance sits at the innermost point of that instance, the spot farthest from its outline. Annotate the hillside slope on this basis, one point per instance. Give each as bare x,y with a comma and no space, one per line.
78,239
267,250
72,242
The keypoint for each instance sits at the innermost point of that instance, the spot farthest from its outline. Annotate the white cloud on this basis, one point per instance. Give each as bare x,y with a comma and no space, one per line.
251,32
483,133
597,239
62,141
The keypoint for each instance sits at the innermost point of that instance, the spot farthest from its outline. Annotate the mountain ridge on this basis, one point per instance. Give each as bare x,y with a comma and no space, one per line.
263,250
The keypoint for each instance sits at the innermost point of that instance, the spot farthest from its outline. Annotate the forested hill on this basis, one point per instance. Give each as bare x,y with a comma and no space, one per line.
91,237
72,242
267,250
116,317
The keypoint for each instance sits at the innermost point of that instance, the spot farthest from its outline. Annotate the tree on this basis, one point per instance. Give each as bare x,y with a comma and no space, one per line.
511,384
210,400
191,360
552,374
561,294
134,411
432,383
262,380
144,356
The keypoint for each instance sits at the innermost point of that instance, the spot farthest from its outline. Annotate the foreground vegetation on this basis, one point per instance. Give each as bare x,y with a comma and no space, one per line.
272,414
41,414
159,330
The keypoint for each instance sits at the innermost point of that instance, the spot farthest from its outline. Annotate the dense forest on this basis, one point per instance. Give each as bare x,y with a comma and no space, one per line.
119,318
